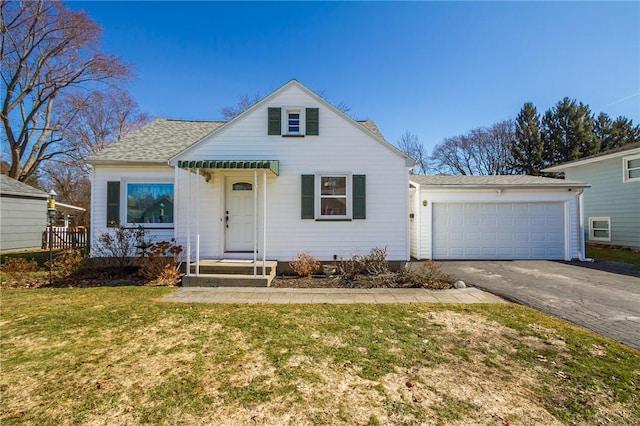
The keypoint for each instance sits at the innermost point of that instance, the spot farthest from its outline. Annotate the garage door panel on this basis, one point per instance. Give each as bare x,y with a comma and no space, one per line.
498,230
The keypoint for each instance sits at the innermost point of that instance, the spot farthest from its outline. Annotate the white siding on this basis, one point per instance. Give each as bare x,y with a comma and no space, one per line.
341,147
23,221
104,174
489,196
414,222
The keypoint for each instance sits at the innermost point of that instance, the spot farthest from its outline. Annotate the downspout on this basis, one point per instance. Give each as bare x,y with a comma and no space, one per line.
582,255
197,222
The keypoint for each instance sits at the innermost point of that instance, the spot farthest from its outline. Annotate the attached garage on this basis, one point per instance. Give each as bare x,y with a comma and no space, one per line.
495,217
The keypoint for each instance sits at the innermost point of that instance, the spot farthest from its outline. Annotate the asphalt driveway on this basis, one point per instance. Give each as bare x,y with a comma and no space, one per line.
605,301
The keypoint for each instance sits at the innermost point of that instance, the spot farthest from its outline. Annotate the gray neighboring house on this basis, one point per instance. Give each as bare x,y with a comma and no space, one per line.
612,205
23,215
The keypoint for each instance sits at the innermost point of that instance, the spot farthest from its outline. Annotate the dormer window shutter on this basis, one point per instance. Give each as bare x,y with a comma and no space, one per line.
312,121
274,124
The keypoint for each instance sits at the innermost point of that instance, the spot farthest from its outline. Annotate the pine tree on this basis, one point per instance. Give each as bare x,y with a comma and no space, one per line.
615,133
527,149
567,132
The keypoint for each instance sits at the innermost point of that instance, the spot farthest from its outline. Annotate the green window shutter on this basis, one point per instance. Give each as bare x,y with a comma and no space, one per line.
313,121
113,204
307,205
275,127
359,197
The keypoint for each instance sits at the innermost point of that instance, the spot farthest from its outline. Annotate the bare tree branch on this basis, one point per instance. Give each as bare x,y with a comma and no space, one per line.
47,50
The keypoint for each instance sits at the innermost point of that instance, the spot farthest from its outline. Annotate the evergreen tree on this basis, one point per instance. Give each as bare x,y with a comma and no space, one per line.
527,149
567,132
615,133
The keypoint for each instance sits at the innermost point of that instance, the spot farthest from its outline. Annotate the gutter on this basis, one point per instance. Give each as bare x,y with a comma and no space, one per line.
505,187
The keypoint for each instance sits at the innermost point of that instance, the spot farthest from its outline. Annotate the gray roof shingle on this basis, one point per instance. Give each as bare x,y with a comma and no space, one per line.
10,186
516,181
156,142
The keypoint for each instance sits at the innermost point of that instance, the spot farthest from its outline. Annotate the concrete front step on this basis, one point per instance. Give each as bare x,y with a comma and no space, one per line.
227,280
230,267
228,273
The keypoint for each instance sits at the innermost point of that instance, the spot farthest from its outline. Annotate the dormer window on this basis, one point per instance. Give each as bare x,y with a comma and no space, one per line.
293,121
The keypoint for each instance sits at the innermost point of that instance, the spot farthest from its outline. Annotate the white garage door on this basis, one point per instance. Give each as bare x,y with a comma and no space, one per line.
498,231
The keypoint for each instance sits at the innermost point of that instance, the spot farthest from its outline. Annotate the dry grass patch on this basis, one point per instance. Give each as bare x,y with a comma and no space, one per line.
119,356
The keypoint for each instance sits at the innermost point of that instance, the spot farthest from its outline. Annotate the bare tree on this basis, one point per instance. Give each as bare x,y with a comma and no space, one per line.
245,101
411,145
481,151
47,51
101,119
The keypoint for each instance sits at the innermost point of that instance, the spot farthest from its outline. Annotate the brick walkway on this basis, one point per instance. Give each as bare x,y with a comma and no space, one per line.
327,295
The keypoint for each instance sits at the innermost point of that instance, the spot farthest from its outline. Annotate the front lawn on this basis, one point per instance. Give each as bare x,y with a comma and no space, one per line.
615,255
120,356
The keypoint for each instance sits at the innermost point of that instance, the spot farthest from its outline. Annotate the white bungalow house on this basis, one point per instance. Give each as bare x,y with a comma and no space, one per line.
291,174
294,174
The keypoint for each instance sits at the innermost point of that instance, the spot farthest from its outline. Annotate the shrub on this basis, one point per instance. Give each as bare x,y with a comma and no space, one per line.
426,275
162,263
18,267
67,263
376,262
349,269
305,265
120,244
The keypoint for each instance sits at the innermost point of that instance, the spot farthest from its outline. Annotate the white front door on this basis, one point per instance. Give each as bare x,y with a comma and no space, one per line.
238,218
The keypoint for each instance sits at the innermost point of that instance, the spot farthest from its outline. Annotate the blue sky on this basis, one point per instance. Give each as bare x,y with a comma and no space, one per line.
437,69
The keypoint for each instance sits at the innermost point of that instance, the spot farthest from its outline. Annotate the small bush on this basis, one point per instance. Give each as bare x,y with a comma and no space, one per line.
376,262
305,265
66,263
161,264
349,269
18,267
426,275
120,244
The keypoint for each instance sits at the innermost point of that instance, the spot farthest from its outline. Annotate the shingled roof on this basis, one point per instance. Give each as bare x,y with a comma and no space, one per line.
13,187
500,181
631,148
162,139
156,142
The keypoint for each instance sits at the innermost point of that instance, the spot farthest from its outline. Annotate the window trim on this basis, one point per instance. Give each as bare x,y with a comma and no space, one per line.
124,194
348,197
592,230
285,120
626,169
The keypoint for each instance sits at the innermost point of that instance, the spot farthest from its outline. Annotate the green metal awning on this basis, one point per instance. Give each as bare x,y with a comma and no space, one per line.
231,164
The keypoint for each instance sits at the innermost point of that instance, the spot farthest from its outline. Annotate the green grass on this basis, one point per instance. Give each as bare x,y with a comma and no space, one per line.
86,355
40,256
614,255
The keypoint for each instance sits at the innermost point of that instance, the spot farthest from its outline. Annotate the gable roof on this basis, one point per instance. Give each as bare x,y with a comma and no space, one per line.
494,181
156,142
632,148
13,187
367,126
